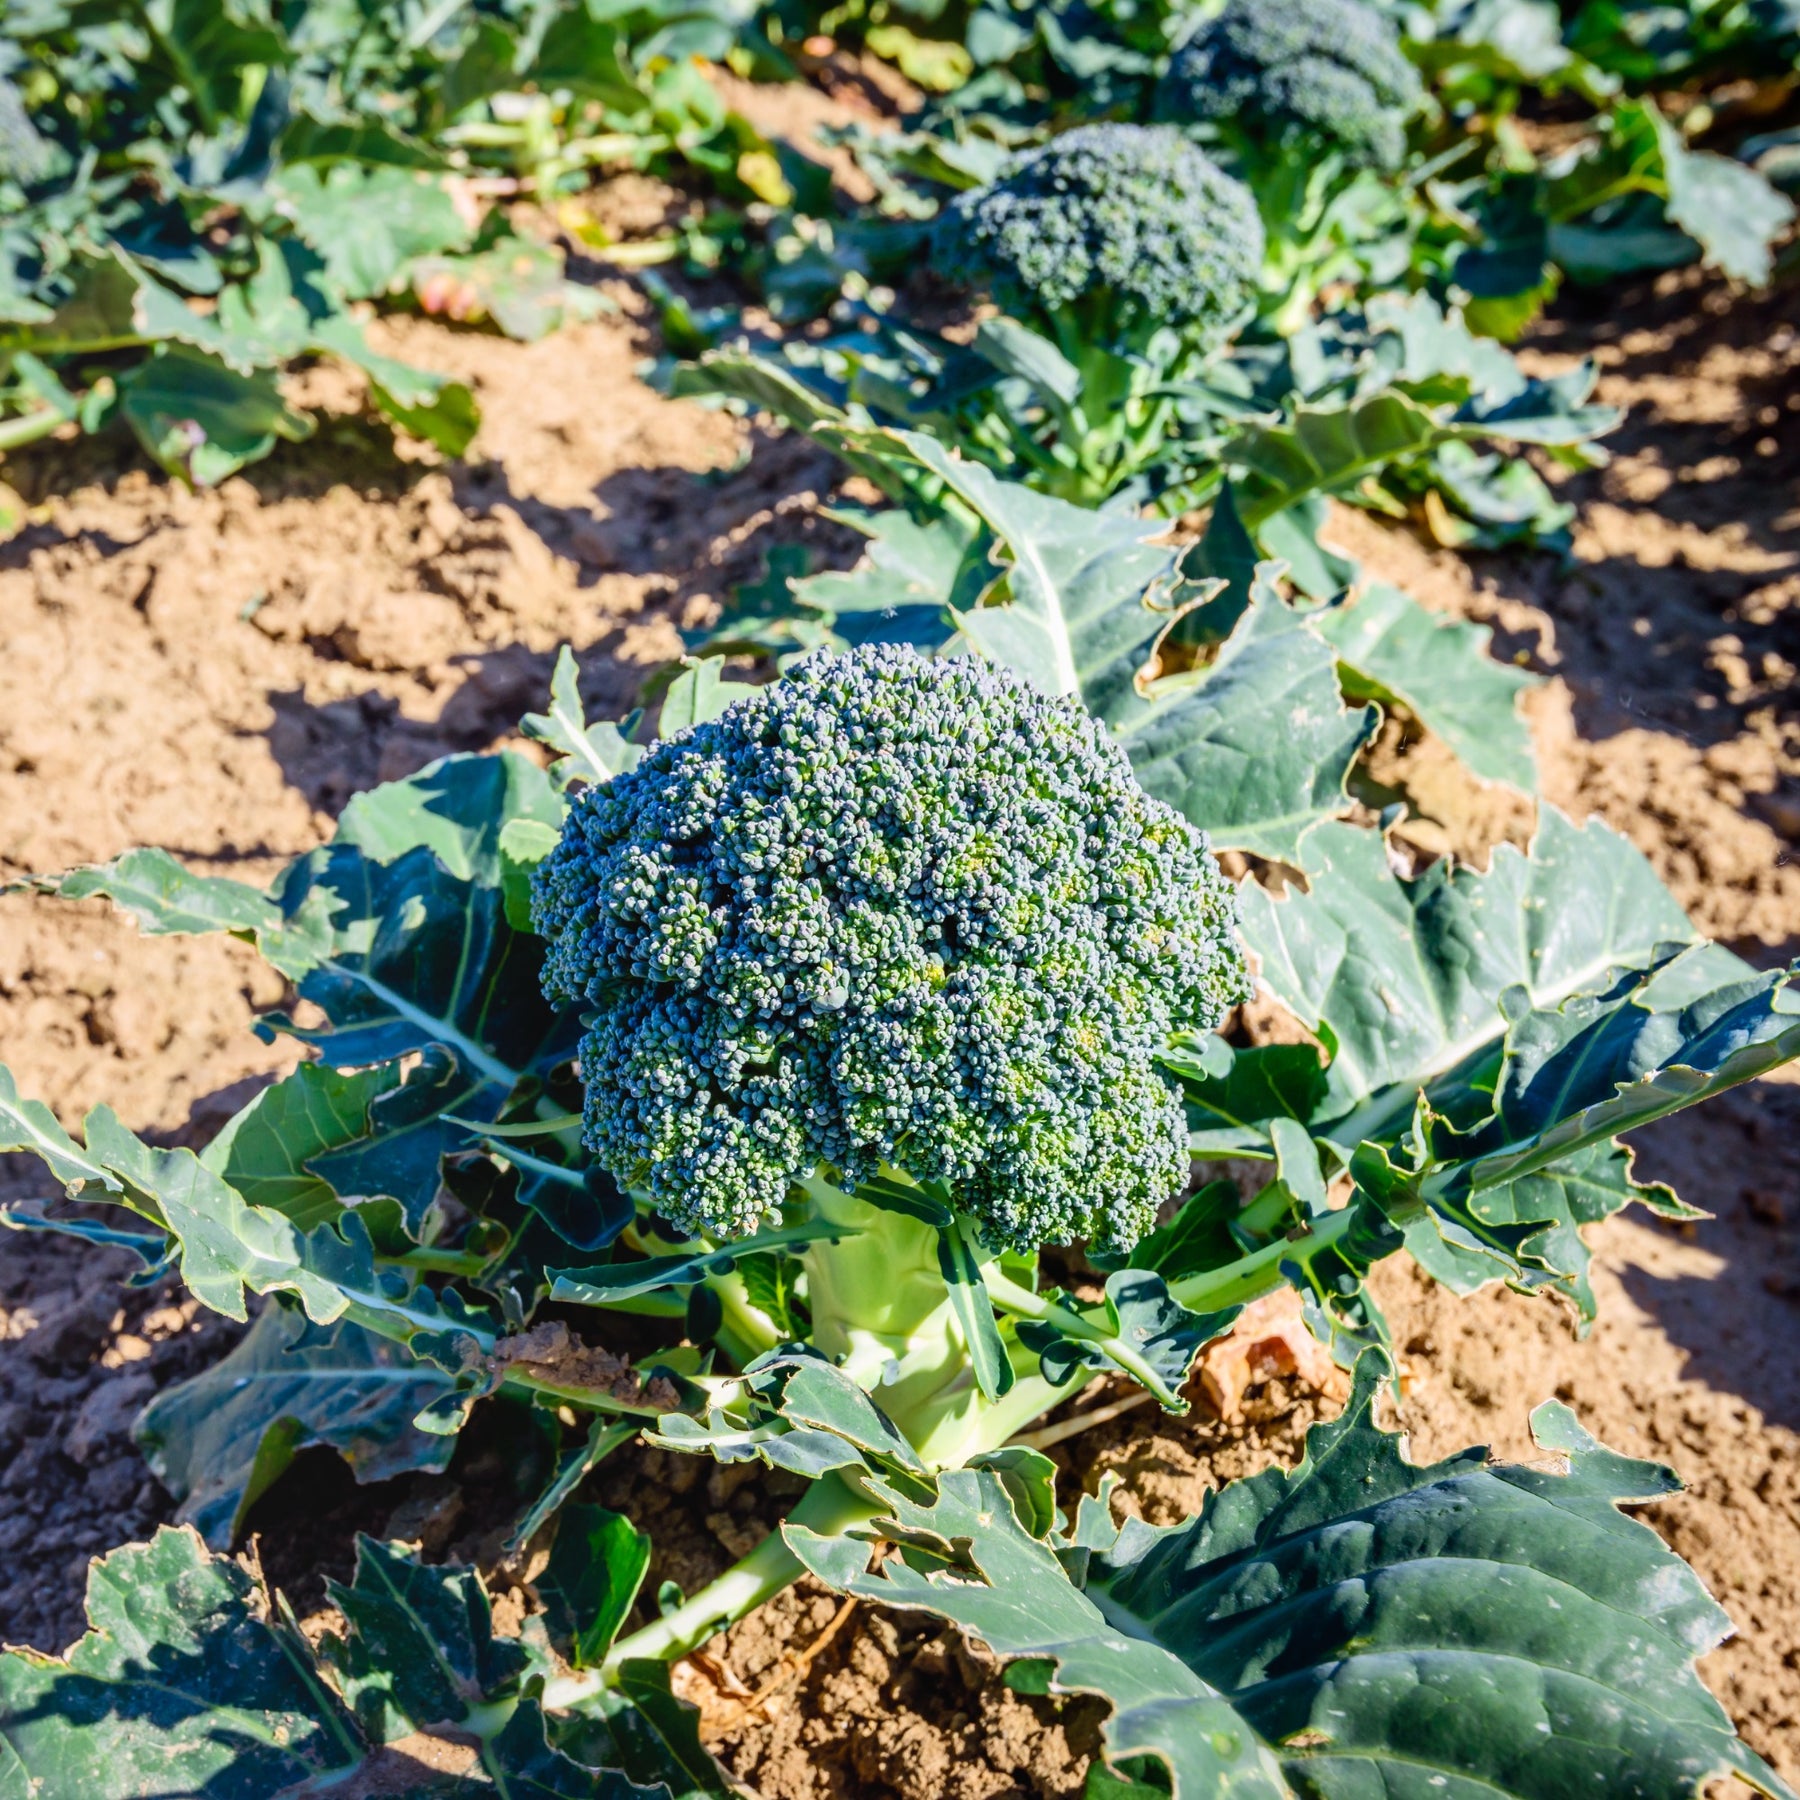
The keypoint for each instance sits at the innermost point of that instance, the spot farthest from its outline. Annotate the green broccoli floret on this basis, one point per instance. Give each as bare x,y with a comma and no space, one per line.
1331,71
1133,220
889,911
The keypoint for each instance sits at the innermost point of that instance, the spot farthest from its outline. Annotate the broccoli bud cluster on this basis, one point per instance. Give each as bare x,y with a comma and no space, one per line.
889,910
1332,70
1133,216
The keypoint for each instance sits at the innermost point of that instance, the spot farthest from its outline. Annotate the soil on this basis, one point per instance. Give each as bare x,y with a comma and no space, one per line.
218,672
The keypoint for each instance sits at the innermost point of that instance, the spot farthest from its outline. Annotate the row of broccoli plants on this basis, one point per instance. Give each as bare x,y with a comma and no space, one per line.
1289,245
194,197
786,1043
1487,150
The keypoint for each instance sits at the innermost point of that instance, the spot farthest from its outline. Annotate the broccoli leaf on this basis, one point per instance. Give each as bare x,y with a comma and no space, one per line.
1349,1610
192,1678
1487,1037
1729,210
184,1681
369,223
458,808
266,1150
1201,741
604,1436
202,420
1391,649
973,1563
1405,976
1314,1628
591,753
591,1581
221,1439
1080,614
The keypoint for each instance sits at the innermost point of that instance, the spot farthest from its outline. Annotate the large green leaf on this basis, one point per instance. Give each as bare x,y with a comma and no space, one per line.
201,419
183,1684
1356,1625
1461,1628
193,1680
1606,1063
1204,743
458,808
1439,668
1728,208
406,933
1406,976
221,1439
256,324
974,1564
1075,621
370,223
264,1152
1078,603
1486,1038
229,1249
1323,449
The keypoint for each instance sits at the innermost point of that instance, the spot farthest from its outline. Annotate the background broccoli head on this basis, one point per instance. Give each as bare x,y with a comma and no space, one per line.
1329,70
1131,222
889,909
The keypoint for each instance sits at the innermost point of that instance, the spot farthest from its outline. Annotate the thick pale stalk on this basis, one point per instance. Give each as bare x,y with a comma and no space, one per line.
881,1310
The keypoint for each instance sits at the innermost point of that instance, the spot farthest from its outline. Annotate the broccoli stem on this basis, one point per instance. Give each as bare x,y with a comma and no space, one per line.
830,1506
880,1309
880,1306
1260,1272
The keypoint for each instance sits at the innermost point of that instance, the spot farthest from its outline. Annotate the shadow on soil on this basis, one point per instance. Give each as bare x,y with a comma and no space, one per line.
1738,1326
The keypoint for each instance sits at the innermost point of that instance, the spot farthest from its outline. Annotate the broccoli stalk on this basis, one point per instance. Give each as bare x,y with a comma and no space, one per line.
879,1296
1133,254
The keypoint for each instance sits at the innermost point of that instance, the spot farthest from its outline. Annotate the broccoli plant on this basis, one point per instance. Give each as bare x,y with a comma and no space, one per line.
192,201
1119,254
1309,102
1290,81
794,1040
1397,407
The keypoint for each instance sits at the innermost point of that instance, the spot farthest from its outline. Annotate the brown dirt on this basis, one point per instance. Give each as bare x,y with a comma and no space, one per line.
217,673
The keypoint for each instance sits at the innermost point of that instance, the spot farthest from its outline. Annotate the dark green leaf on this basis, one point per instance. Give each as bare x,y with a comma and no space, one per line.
959,1262
1440,670
591,1581
219,1440
201,420
1467,1624
266,1150
420,1647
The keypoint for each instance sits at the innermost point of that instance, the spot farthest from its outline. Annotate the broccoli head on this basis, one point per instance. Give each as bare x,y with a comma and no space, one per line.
1331,70
889,910
1133,217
